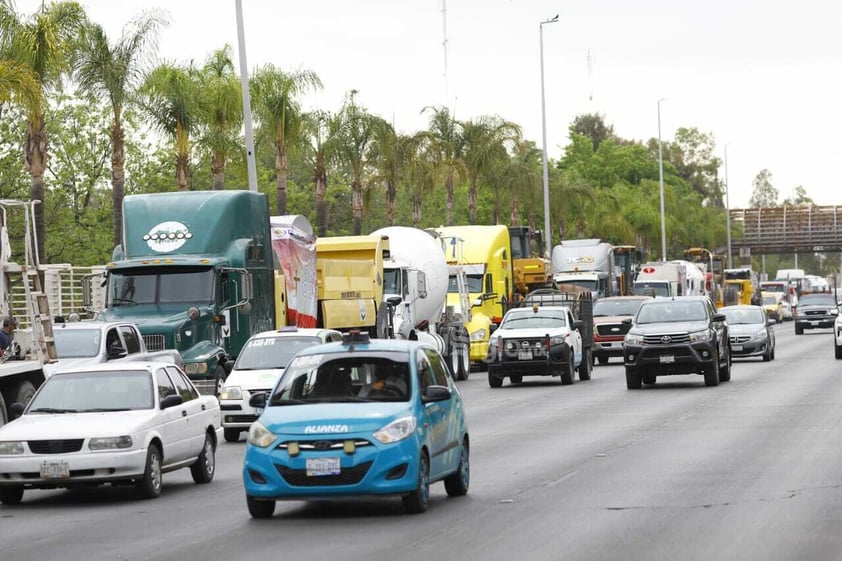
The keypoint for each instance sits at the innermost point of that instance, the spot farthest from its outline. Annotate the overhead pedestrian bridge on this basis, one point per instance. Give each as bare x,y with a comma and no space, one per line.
787,229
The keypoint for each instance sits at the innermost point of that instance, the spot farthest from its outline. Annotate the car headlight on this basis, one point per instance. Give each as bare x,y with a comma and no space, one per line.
231,392
396,430
195,367
260,436
834,311
700,336
110,443
633,339
558,339
478,335
760,335
11,448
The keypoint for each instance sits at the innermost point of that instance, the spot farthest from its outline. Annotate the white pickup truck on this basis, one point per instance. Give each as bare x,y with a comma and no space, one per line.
92,342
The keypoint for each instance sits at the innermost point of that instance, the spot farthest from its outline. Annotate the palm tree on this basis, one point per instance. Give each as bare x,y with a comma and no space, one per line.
278,112
447,136
17,83
522,176
484,140
169,97
321,130
357,133
424,171
220,111
392,155
113,70
44,45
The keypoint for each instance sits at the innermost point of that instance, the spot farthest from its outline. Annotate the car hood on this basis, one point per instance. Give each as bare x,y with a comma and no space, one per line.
737,329
53,367
261,379
37,426
532,332
317,419
669,327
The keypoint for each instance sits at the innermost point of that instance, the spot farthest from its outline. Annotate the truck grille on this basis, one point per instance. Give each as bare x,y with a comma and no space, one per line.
523,349
321,445
55,446
299,477
816,312
154,342
666,338
612,329
738,340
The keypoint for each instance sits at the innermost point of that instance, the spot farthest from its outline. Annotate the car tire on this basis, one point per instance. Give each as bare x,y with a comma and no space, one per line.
767,356
456,484
712,374
418,500
725,371
649,379
495,381
205,466
586,366
516,379
464,347
568,371
24,392
231,435
799,330
837,349
260,509
633,379
11,494
602,359
149,486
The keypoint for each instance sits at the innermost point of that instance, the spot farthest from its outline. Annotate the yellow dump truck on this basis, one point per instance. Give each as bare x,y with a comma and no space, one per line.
349,283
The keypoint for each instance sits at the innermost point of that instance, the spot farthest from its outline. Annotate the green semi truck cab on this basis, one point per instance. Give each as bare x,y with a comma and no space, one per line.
195,273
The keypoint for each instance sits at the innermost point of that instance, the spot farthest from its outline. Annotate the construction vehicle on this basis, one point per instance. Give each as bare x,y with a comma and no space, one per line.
195,273
349,284
587,263
707,261
417,274
738,287
294,246
487,263
627,260
531,269
32,345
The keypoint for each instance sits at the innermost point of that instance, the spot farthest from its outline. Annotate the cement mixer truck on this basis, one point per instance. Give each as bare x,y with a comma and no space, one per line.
416,278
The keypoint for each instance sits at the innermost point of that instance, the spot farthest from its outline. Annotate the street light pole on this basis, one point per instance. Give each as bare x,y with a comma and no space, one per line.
728,210
548,233
661,183
244,84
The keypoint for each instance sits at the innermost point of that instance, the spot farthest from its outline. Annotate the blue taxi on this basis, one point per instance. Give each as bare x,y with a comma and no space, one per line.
358,418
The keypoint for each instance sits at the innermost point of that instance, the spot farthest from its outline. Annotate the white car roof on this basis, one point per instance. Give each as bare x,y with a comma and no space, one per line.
306,331
147,366
88,325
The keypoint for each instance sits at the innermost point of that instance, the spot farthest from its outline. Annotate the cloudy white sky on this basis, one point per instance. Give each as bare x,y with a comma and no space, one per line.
764,76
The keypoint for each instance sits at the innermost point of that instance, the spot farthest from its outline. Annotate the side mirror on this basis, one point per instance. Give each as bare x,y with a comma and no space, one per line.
15,410
171,401
116,350
719,317
394,301
436,393
627,321
770,322
476,303
492,327
258,400
578,324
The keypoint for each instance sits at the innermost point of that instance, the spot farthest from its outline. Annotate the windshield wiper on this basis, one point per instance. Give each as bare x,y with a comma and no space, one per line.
121,301
52,410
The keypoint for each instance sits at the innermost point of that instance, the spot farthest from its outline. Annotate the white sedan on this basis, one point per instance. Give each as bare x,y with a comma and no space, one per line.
109,423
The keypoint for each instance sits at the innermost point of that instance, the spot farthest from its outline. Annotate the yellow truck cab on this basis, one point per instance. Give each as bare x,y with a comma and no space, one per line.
486,258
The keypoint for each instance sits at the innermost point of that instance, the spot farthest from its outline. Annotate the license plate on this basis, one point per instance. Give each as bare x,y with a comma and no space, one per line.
666,359
55,470
322,466
736,347
815,322
524,355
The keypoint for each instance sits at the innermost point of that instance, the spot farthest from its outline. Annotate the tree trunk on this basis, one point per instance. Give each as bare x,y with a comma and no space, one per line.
472,201
391,196
514,215
182,158
321,194
416,211
218,171
118,178
357,205
281,165
36,164
449,200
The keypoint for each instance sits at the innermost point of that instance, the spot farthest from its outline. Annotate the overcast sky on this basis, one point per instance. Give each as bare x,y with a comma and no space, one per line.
763,76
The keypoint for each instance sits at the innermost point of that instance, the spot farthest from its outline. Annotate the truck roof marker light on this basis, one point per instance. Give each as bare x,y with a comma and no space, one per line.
145,262
167,260
156,261
111,265
204,261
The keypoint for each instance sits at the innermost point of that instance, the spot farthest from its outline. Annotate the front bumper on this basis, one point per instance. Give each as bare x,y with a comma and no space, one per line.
237,413
607,347
814,322
749,348
686,358
85,467
543,364
371,469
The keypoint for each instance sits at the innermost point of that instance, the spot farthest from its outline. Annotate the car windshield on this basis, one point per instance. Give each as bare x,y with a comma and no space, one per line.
187,284
272,352
623,307
817,300
671,311
739,316
590,284
474,284
651,289
534,317
77,343
342,378
82,392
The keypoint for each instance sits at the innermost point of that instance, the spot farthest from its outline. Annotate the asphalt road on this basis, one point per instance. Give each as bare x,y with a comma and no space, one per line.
751,469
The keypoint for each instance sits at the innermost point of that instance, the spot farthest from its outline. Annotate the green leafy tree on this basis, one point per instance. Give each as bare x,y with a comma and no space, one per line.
592,126
169,98
278,111
113,70
321,130
220,112
484,140
692,155
17,83
763,194
447,139
44,45
391,157
799,198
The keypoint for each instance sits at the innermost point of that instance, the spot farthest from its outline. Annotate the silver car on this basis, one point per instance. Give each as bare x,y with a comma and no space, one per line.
752,332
